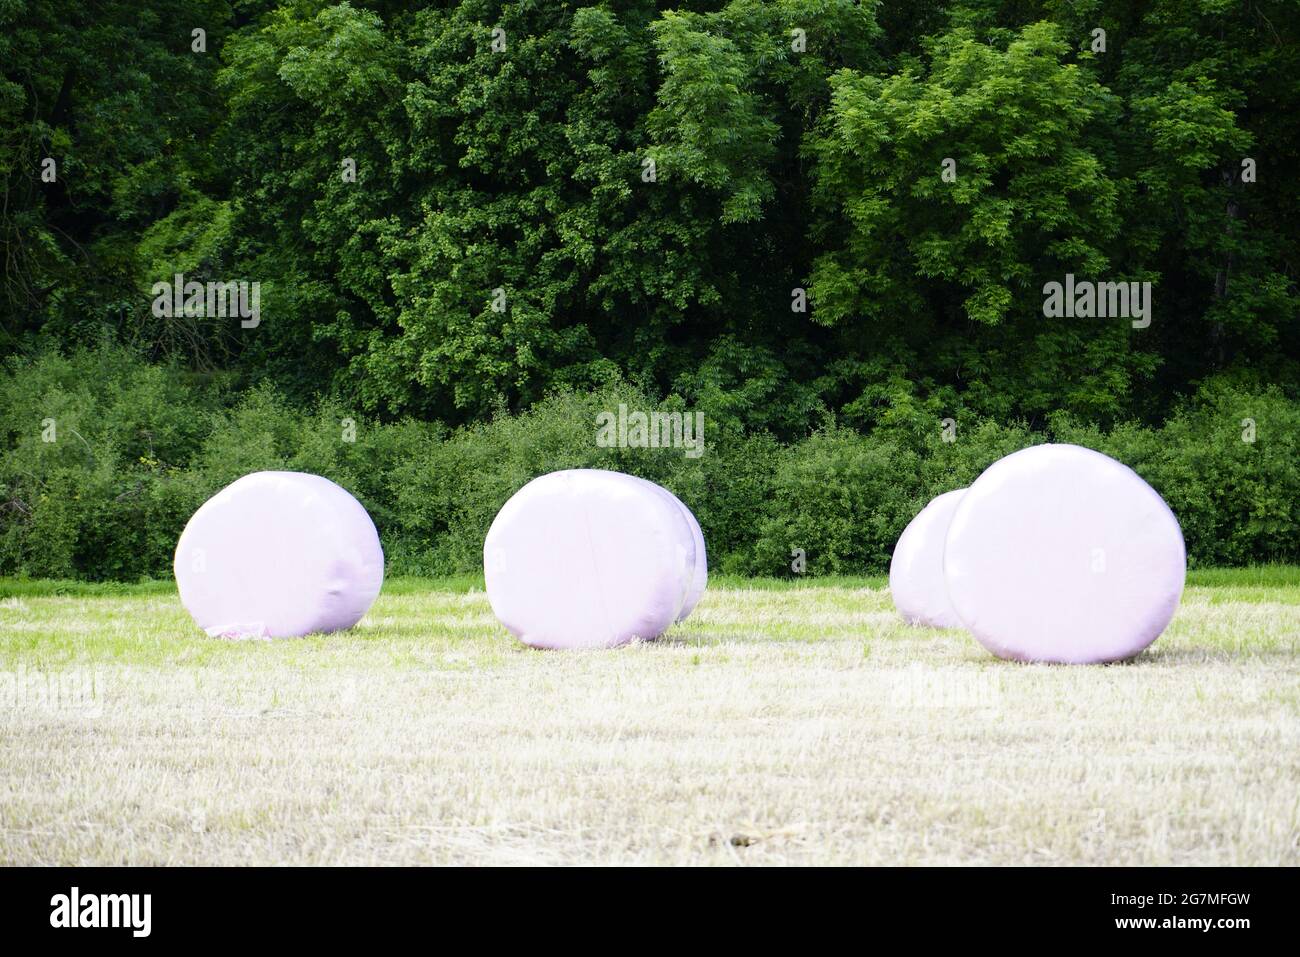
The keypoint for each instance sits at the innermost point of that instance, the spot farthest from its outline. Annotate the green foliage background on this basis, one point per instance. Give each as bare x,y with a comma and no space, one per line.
522,170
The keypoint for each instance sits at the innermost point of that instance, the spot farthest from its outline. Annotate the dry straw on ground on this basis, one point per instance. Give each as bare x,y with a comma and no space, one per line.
778,725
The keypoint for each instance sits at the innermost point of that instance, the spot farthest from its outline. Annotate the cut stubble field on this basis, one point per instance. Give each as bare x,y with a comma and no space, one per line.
781,724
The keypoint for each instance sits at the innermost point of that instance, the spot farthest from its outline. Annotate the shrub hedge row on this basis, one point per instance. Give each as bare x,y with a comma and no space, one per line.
104,457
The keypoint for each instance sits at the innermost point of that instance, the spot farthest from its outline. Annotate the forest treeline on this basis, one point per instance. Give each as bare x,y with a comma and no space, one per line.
817,221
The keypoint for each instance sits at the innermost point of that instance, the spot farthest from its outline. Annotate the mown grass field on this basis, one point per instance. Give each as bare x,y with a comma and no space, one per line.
783,723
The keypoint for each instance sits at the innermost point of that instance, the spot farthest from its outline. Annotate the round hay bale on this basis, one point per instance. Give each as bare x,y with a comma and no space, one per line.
586,558
916,579
279,554
1058,553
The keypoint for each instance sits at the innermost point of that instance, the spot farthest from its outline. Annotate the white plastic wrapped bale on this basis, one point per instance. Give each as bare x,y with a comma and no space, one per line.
700,572
699,560
586,558
916,579
1061,554
279,554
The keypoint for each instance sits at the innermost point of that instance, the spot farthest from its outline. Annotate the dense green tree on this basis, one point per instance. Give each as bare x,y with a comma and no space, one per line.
575,194
115,95
953,265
